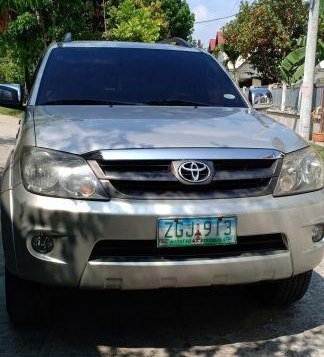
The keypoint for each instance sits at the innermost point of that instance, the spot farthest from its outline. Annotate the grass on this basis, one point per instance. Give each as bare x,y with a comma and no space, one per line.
320,150
11,112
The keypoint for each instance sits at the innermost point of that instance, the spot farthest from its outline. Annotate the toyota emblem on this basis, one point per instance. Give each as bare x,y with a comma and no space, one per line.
194,171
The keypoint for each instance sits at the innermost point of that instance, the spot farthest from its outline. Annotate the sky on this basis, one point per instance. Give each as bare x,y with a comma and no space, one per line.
209,9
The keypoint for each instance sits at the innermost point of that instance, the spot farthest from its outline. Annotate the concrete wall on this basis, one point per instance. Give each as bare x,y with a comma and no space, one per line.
288,119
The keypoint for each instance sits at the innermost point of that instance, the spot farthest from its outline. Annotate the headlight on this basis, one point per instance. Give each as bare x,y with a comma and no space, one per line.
57,174
302,171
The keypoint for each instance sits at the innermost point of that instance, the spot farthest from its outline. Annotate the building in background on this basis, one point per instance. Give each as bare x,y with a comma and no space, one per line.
214,43
244,73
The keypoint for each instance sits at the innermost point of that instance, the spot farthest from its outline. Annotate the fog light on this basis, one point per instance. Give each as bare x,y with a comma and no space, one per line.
318,232
42,243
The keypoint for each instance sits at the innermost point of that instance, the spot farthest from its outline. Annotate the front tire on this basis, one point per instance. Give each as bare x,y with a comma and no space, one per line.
284,292
26,302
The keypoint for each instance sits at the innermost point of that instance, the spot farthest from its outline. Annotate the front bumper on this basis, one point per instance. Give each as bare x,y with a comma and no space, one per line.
80,224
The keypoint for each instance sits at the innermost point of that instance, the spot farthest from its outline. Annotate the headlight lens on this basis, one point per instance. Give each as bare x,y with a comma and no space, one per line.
57,174
302,171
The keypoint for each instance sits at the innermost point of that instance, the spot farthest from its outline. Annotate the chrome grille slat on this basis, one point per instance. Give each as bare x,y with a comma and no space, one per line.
226,175
140,176
153,179
222,175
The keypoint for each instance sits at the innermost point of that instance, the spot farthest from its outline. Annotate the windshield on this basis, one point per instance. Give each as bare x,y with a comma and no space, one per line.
130,76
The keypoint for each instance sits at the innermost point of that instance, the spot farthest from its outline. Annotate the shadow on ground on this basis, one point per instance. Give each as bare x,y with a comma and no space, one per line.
203,322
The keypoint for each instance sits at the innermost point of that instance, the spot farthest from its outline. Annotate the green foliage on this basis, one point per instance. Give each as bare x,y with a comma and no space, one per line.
61,16
230,47
15,5
21,40
320,150
136,20
148,20
10,70
265,31
292,66
35,24
11,112
179,18
231,52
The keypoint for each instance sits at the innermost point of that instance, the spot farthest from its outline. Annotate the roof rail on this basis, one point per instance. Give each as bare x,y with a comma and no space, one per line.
177,41
67,37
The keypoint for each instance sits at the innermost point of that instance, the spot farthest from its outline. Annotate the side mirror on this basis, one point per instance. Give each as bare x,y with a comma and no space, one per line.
11,96
260,97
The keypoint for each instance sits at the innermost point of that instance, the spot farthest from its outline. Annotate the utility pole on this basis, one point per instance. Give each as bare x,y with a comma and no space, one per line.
307,88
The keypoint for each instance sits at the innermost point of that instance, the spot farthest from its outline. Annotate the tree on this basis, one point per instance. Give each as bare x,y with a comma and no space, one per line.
231,52
268,30
36,23
27,27
135,20
148,20
179,18
14,5
292,66
21,41
230,47
10,70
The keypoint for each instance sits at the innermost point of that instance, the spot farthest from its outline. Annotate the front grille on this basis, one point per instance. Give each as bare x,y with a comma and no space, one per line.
147,249
151,179
176,189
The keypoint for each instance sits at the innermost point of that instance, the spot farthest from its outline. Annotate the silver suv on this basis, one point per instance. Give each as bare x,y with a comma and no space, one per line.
141,166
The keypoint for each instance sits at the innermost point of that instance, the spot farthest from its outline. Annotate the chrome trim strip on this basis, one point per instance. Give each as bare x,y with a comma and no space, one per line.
141,176
188,154
247,256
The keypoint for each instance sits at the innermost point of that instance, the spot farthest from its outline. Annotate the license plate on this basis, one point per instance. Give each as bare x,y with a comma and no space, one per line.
202,231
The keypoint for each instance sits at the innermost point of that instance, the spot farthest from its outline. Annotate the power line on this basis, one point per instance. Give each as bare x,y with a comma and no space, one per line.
235,5
216,19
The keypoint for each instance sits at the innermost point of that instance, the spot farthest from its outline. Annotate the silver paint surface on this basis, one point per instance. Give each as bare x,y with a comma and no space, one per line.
82,129
123,129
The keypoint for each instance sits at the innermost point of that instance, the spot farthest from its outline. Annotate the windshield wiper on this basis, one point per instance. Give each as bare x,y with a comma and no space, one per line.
85,102
164,102
176,102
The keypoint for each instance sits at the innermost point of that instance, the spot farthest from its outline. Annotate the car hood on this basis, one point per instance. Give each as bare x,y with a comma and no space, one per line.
82,129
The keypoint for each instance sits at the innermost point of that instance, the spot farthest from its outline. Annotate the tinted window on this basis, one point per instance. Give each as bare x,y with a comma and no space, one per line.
135,76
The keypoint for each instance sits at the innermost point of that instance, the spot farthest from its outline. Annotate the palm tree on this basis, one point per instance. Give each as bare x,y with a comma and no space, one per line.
292,67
